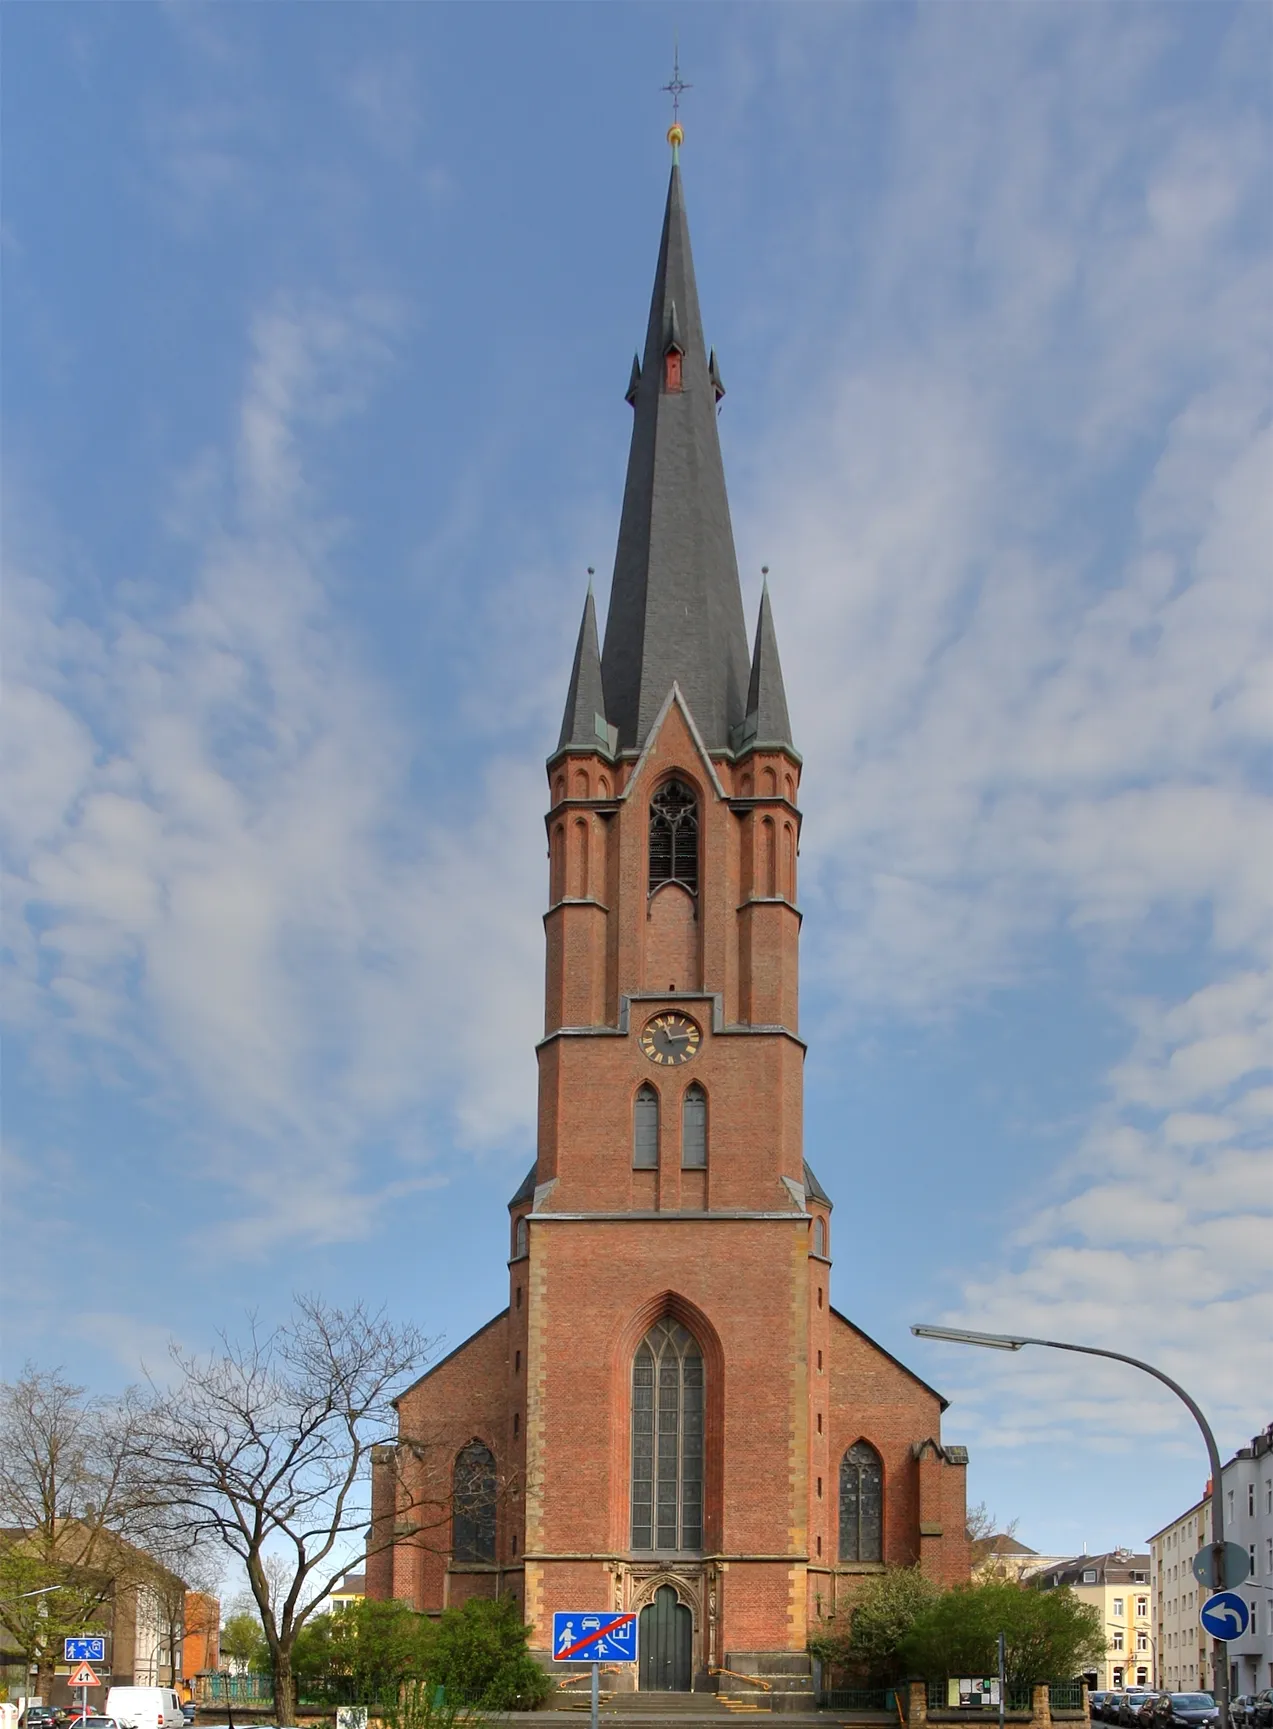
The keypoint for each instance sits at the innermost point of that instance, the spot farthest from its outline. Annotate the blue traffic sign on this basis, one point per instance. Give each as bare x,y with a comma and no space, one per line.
84,1650
584,1636
1225,1616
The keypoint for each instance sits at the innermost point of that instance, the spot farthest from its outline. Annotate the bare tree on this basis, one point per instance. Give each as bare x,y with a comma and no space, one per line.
984,1536
67,1502
265,1443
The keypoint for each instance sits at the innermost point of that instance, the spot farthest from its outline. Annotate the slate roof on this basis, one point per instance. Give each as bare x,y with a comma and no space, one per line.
583,726
676,611
813,1188
766,720
527,1190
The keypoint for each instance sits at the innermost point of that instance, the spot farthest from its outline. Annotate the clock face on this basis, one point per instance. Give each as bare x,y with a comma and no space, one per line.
670,1039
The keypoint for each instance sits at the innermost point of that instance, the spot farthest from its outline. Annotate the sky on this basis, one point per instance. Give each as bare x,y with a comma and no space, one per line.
317,326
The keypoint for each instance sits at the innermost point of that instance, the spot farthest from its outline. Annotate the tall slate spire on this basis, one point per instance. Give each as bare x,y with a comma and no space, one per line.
766,721
676,611
583,726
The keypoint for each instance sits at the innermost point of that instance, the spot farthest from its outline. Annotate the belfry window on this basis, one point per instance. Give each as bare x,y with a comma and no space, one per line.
694,1128
861,1504
674,836
473,1504
667,1441
645,1129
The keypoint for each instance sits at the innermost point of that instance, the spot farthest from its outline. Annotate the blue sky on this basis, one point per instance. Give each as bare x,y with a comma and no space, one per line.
317,326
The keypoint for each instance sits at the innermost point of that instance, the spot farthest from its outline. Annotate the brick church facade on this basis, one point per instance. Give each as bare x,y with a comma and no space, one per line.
669,1417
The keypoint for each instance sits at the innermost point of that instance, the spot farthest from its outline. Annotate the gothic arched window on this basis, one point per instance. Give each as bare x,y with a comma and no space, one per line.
521,1237
645,1129
674,836
667,1440
819,1236
473,1504
861,1504
694,1128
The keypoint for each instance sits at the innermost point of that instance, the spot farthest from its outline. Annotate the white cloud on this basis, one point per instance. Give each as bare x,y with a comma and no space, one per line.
214,868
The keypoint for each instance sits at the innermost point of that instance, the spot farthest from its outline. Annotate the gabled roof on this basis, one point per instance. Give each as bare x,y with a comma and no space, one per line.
527,1190
812,1187
443,1361
875,1344
676,611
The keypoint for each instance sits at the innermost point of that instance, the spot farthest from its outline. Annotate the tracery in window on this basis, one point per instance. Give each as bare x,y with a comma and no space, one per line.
667,1440
861,1504
645,1129
694,1128
674,836
473,1504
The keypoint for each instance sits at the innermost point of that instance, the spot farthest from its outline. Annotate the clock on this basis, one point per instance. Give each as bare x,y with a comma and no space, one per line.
670,1039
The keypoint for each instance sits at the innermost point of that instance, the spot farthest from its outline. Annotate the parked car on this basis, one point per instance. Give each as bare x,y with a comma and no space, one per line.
187,1710
1129,1704
1260,1710
1181,1711
89,1720
1238,1709
42,1717
1109,1710
1095,1700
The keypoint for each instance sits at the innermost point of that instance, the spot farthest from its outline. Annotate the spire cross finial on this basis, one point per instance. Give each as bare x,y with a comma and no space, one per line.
674,87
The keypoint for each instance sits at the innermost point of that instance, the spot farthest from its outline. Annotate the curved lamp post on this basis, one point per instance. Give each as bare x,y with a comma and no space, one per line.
1015,1341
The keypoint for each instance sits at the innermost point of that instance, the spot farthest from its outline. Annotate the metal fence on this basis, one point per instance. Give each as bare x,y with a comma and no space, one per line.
226,1689
1019,1696
858,1699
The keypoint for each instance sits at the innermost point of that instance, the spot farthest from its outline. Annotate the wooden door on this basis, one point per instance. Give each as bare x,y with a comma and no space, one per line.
666,1644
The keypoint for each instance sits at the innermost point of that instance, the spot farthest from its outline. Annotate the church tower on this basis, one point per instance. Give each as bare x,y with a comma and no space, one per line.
669,1417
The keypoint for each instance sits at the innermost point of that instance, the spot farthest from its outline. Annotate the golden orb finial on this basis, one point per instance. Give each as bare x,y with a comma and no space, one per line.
676,136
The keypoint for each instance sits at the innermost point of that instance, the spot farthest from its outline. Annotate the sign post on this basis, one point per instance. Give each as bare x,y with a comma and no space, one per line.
582,1635
84,1678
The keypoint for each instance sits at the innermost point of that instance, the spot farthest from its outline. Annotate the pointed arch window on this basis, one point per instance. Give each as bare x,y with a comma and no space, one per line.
645,1129
473,1504
674,836
819,1235
861,1504
667,1441
694,1128
521,1237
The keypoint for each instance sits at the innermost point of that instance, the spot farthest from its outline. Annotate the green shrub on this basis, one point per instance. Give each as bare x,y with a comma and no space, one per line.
479,1654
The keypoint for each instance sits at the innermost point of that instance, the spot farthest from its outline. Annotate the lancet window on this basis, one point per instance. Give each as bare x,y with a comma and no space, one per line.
473,1504
674,836
861,1504
645,1129
667,1441
694,1128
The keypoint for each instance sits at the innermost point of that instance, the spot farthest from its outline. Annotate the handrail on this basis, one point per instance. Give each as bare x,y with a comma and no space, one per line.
586,1675
756,1680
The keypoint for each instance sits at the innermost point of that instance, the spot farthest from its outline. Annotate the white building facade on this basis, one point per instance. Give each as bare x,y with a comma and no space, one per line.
1184,1651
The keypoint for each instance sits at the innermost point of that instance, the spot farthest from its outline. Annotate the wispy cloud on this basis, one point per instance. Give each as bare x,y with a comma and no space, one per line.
215,869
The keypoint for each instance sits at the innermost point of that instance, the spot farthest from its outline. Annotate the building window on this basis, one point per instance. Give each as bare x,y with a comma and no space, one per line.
674,836
1142,1677
521,1237
1118,1677
667,1441
645,1129
473,1504
1089,1576
819,1236
1142,1605
1118,1640
694,1129
1142,1641
1118,1606
1250,1498
861,1504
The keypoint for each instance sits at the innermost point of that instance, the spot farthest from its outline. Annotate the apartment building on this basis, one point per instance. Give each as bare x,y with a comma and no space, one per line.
1186,1654
1118,1584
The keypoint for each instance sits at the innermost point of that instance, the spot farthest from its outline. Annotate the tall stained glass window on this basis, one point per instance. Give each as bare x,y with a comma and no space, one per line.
645,1129
674,836
861,1504
473,1504
667,1441
694,1128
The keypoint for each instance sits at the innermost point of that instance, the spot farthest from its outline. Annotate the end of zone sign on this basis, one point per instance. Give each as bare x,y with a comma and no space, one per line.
584,1636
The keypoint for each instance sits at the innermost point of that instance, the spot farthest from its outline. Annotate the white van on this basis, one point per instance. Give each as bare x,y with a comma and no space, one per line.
144,1707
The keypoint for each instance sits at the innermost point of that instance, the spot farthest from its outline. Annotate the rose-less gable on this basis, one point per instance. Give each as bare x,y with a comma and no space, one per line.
680,1423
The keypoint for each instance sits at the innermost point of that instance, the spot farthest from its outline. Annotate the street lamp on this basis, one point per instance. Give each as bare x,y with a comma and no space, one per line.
1015,1342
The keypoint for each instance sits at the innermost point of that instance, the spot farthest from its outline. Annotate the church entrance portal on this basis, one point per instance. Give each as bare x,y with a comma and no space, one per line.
666,1641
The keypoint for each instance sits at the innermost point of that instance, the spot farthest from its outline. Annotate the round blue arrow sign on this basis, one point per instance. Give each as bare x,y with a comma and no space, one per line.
1224,1616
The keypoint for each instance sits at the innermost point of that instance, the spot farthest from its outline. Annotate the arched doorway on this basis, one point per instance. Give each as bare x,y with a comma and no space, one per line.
666,1644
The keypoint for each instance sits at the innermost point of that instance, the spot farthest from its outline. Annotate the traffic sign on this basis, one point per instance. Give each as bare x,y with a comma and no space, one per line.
584,1636
83,1677
89,1650
1224,1616
1237,1565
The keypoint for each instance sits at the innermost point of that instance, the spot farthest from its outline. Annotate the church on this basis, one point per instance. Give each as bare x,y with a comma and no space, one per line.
669,1418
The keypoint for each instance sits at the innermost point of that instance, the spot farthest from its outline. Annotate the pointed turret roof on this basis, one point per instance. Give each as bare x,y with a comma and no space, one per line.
676,611
766,721
583,726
